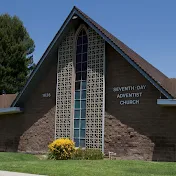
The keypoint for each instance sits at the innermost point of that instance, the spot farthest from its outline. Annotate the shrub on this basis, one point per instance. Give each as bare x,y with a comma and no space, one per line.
61,149
88,154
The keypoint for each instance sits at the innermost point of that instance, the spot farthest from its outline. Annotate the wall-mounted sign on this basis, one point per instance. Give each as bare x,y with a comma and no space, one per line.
46,95
125,92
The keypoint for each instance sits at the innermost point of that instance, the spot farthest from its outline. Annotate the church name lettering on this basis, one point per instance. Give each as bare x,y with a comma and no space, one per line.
124,92
129,95
129,88
128,102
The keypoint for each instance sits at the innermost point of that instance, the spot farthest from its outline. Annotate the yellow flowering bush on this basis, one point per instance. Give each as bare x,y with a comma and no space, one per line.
61,149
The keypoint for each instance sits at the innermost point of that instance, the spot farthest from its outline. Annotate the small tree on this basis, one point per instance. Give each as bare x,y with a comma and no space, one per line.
16,59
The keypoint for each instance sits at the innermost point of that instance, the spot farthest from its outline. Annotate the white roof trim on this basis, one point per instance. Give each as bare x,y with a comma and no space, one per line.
10,110
166,102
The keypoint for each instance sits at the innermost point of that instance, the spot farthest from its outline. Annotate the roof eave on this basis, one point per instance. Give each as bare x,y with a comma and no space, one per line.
166,102
11,110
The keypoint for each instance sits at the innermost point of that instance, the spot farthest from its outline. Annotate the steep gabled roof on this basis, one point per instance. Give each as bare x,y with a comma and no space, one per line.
157,78
172,85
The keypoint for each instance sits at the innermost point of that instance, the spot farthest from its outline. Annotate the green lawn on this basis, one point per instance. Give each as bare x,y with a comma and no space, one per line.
31,164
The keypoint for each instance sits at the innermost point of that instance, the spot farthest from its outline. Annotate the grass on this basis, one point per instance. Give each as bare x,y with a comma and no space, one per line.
31,164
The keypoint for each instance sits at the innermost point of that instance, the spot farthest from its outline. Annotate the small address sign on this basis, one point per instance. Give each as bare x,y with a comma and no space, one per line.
46,95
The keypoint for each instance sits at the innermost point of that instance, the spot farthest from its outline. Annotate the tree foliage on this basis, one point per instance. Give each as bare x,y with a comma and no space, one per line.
16,59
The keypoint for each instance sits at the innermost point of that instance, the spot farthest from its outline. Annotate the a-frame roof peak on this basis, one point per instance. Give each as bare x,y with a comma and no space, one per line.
158,79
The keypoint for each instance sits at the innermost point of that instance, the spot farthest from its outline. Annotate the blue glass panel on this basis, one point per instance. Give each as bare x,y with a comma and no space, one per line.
84,75
84,58
76,142
79,49
83,113
84,48
78,58
83,104
84,66
77,85
82,134
78,76
83,94
76,133
77,104
77,95
83,124
76,123
85,39
79,41
84,84
82,143
77,114
78,67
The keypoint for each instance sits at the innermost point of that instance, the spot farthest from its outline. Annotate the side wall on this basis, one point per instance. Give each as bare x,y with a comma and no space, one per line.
136,131
34,129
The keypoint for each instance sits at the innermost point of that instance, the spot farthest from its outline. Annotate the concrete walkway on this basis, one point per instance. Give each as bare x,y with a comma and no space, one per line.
6,173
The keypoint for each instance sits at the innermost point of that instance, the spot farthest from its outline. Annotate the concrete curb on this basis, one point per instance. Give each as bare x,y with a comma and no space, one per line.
7,173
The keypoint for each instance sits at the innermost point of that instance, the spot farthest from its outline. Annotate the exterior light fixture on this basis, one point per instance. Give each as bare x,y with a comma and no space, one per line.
74,17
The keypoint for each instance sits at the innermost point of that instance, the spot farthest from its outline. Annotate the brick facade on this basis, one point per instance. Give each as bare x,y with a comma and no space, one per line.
143,131
32,130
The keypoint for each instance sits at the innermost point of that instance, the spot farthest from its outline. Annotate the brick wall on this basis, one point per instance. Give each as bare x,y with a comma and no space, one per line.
143,131
32,130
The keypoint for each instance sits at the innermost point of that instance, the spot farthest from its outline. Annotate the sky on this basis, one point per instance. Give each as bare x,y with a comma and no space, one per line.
146,26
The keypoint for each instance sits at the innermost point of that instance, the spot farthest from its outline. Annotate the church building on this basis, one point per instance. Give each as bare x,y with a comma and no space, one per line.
90,87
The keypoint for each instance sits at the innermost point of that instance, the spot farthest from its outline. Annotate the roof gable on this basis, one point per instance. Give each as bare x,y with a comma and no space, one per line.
157,78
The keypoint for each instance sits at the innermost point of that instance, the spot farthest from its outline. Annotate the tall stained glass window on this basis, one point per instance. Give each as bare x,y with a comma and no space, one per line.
80,89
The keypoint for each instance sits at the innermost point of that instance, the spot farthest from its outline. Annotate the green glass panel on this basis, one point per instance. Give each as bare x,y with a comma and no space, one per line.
83,113
83,94
84,84
77,114
76,123
77,104
83,124
76,133
83,104
77,95
82,134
